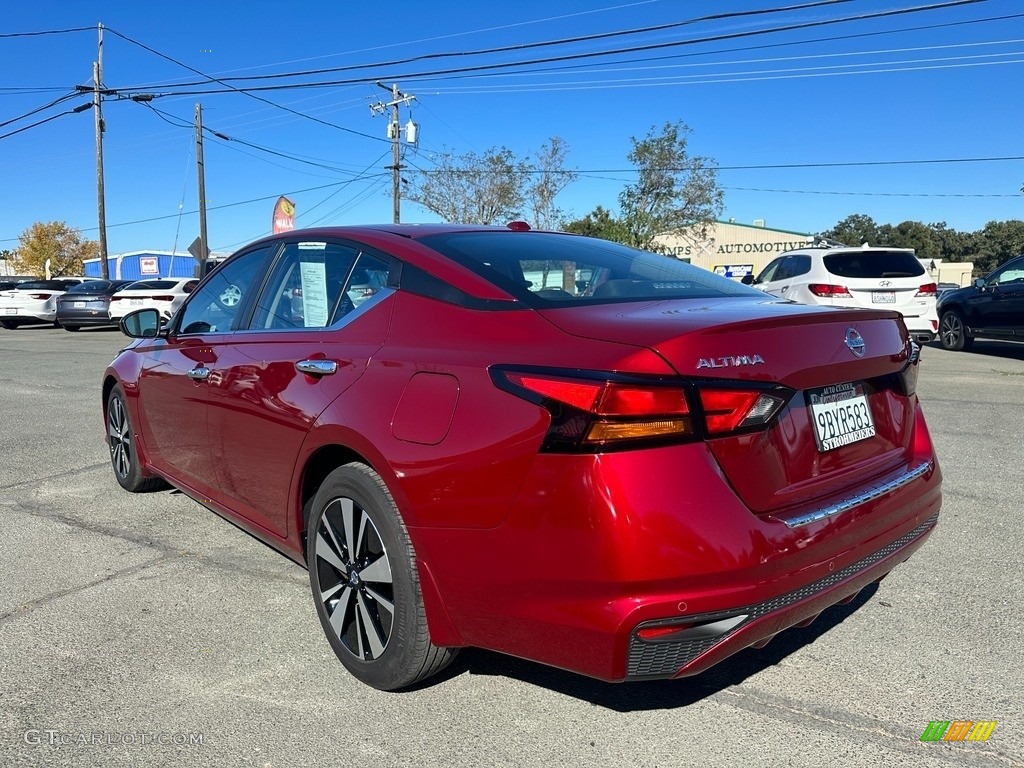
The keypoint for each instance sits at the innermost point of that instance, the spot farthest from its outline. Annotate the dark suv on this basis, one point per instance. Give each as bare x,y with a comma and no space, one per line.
992,308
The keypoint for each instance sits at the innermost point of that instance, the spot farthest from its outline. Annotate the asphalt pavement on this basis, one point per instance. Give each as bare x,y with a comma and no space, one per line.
145,630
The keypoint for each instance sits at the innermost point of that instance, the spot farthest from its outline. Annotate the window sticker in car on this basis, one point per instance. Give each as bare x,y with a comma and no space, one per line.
314,294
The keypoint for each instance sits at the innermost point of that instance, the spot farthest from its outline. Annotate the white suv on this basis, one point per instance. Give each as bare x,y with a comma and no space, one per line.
883,278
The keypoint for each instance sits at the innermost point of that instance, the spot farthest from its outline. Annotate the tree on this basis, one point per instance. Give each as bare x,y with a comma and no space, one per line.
674,191
914,234
472,188
854,230
550,178
57,242
599,223
996,243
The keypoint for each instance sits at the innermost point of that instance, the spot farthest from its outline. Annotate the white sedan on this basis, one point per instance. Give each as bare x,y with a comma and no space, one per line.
33,302
164,295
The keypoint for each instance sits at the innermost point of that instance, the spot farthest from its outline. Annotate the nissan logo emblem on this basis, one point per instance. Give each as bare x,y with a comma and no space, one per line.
855,342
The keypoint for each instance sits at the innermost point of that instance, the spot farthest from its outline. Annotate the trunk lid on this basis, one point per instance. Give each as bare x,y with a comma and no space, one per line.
810,350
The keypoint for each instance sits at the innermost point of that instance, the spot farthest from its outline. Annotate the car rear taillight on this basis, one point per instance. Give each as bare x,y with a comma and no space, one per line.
600,411
116,298
162,298
829,291
928,289
729,410
908,376
40,296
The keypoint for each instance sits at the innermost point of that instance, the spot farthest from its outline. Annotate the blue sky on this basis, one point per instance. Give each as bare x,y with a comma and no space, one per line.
939,84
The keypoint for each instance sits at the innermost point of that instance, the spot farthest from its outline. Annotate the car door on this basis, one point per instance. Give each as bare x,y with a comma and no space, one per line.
1000,303
173,388
779,281
316,324
765,281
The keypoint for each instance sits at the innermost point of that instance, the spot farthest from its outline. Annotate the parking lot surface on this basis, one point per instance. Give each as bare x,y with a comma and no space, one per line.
145,630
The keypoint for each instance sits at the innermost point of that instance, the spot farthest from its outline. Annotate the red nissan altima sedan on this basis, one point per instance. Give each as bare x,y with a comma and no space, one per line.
542,444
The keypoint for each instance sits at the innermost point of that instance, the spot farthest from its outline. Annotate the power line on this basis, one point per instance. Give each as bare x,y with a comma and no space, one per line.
47,32
530,46
578,56
79,108
53,103
864,194
239,90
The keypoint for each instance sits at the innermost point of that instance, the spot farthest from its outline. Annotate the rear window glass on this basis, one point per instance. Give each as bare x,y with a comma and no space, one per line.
46,285
91,286
151,285
874,264
542,268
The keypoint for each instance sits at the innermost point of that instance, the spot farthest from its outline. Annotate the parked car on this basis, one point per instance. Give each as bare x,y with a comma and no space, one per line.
87,304
164,295
630,470
992,308
33,301
890,278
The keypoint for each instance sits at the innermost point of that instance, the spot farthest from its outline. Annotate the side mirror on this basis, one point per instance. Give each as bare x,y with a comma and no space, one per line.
979,283
141,324
747,279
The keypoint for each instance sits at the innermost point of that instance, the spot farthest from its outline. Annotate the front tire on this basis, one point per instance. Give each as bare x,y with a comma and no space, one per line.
71,328
362,571
953,332
123,454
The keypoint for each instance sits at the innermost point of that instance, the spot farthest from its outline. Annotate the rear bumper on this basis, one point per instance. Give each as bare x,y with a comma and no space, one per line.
597,548
84,317
692,651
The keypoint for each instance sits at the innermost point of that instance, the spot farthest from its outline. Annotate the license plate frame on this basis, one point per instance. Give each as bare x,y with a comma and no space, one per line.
78,304
840,415
135,302
11,311
883,297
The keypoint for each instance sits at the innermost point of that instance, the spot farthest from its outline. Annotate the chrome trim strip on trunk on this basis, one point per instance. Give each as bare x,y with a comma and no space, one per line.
861,498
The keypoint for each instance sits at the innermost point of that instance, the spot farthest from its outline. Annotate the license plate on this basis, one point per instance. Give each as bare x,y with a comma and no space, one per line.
840,415
883,297
134,302
78,304
12,310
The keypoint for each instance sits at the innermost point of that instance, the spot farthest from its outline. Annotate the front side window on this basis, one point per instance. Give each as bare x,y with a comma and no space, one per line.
1012,272
215,306
305,286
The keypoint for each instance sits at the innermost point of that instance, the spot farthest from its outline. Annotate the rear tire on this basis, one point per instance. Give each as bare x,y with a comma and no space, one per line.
10,325
953,332
71,328
362,571
123,454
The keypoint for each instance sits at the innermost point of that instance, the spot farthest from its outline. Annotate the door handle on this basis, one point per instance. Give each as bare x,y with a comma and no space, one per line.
199,374
317,367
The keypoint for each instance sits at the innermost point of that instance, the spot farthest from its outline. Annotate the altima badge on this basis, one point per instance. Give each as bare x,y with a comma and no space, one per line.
855,342
729,362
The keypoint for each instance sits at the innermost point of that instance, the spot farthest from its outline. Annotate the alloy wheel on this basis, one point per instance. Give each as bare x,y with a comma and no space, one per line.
119,437
356,587
951,331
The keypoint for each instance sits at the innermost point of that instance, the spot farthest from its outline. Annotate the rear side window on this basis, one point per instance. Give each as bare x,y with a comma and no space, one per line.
874,264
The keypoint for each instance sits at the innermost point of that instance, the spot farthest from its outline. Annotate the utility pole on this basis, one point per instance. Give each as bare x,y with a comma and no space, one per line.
204,248
97,100
395,134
